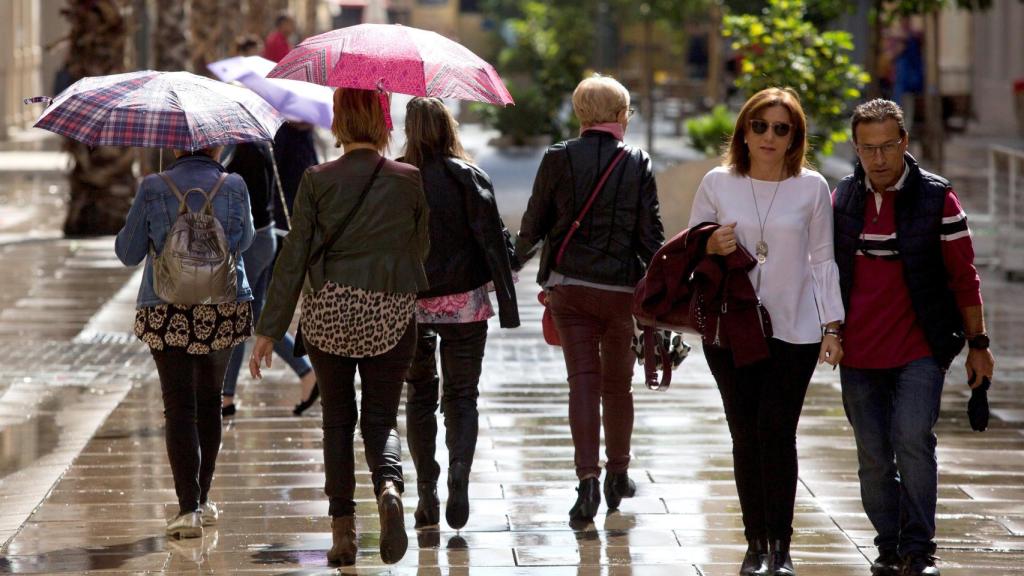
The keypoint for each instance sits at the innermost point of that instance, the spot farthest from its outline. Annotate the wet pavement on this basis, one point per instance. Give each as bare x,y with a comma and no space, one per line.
85,487
105,514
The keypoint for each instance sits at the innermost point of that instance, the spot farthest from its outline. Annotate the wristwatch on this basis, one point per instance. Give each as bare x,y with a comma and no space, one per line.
978,342
837,332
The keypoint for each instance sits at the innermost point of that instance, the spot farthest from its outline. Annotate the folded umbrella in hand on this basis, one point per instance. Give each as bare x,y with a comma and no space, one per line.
977,406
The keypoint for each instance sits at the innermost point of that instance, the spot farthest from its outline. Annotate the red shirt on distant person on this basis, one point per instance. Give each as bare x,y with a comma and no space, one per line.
277,45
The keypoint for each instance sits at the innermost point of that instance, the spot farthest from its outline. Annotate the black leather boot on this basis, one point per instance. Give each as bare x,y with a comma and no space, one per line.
456,511
587,501
755,561
617,485
781,564
428,511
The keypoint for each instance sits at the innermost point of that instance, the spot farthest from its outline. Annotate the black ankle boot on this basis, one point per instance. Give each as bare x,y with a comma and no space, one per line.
755,561
587,501
781,564
428,511
617,485
456,511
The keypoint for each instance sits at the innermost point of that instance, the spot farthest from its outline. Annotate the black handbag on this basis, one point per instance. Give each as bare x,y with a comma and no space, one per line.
317,259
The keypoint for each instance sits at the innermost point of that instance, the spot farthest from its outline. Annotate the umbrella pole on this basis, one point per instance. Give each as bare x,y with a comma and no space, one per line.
161,160
280,188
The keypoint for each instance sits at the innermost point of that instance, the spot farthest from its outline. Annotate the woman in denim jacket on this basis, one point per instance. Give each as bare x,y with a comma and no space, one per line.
191,344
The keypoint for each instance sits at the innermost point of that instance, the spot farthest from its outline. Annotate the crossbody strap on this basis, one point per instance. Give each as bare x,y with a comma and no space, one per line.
590,202
328,242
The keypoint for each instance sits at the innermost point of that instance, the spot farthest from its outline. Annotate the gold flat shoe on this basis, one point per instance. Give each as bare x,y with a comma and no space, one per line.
187,525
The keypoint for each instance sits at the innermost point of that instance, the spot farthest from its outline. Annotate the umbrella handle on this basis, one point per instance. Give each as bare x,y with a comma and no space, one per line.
385,104
280,188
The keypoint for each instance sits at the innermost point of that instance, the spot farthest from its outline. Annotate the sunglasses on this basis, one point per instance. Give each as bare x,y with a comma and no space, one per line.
781,129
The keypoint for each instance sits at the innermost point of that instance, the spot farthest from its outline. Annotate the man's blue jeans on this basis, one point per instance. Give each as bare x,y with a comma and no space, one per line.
893,413
259,263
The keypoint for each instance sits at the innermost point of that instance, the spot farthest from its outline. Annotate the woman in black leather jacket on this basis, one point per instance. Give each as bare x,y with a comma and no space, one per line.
590,288
469,256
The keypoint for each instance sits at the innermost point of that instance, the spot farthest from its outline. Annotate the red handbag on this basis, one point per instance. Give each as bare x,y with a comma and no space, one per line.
547,321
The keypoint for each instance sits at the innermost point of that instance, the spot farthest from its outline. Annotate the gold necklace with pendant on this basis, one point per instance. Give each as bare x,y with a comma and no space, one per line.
761,248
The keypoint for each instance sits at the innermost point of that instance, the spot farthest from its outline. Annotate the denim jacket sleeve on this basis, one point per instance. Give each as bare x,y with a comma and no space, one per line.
132,243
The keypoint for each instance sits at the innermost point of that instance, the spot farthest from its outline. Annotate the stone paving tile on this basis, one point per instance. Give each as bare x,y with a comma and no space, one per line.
107,513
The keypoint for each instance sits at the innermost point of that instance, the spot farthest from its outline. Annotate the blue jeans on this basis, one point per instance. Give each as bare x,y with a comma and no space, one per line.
258,261
893,413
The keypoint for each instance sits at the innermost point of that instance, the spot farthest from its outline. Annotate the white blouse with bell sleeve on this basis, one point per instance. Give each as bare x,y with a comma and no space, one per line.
799,282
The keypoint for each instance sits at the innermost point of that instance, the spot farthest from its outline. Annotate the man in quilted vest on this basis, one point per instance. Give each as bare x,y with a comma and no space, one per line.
912,297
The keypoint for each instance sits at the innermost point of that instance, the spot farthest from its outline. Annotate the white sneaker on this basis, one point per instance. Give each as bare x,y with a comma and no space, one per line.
209,513
187,525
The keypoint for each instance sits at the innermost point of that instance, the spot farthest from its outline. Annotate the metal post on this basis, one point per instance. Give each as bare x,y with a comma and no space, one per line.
280,188
645,9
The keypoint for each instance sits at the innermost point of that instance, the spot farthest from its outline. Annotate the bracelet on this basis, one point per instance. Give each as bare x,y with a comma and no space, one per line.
832,332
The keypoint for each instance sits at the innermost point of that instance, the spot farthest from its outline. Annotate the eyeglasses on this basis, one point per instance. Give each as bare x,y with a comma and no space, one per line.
781,129
886,149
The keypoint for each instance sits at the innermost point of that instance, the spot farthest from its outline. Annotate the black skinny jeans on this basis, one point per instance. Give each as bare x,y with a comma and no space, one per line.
382,378
462,353
763,402
191,386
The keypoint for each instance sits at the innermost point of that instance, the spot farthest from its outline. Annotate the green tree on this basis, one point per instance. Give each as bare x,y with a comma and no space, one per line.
781,48
549,45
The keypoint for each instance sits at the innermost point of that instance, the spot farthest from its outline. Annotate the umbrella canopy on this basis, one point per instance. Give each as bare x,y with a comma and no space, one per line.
394,58
159,110
294,99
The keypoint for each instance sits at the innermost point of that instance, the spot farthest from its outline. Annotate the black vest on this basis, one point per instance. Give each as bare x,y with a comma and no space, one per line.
919,207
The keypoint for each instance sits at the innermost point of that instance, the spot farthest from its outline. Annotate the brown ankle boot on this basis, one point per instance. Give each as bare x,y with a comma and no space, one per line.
393,539
343,551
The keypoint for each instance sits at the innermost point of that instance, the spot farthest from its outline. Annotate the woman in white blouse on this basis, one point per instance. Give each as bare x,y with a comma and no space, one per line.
767,199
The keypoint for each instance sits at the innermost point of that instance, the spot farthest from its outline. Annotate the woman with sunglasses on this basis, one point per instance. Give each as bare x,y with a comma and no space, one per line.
768,200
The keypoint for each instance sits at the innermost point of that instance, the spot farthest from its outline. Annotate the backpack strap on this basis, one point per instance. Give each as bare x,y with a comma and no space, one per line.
174,187
213,192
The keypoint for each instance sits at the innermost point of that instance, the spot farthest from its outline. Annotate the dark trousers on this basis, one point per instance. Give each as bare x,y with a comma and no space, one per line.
596,329
762,403
893,413
462,353
382,378
191,386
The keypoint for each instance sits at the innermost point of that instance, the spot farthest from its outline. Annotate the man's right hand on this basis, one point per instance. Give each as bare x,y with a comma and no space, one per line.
723,240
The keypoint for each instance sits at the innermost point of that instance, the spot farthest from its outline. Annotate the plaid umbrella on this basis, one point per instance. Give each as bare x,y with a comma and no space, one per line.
394,58
159,110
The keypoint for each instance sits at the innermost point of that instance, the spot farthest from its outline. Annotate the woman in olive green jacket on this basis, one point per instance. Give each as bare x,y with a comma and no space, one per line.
359,313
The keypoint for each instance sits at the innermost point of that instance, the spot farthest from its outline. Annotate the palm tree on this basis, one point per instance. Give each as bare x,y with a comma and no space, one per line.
101,180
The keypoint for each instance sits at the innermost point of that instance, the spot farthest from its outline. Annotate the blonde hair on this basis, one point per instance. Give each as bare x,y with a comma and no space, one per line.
737,157
358,117
599,99
430,131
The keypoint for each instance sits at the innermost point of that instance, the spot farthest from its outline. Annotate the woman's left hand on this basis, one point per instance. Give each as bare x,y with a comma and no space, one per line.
831,350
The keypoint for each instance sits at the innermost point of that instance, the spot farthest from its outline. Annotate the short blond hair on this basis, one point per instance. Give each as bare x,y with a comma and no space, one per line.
359,117
599,99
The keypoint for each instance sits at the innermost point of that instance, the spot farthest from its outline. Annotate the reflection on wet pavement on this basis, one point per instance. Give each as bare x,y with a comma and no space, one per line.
107,512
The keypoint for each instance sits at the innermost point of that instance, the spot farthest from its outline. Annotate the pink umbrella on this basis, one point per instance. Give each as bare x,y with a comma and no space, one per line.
394,58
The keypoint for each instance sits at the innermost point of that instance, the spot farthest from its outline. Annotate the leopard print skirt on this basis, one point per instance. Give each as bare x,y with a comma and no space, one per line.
355,323
198,329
